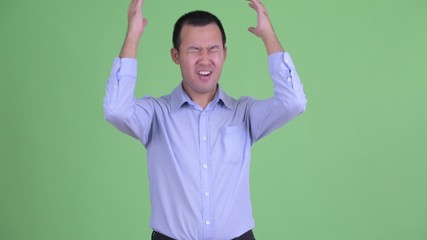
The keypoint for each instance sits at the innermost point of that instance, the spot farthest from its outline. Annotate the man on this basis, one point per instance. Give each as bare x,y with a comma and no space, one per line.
198,138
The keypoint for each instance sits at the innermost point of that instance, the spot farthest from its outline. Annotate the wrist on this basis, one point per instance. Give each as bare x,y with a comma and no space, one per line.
133,37
268,36
130,47
272,44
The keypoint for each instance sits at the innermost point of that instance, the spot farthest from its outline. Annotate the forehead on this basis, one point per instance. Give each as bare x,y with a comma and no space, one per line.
208,34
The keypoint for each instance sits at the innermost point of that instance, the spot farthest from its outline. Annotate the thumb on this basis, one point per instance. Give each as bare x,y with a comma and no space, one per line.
252,30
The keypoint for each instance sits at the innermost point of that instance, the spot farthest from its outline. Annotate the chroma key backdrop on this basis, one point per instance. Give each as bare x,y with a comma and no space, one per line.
352,167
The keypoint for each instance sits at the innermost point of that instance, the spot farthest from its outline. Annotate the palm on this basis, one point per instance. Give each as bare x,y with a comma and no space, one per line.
136,20
263,21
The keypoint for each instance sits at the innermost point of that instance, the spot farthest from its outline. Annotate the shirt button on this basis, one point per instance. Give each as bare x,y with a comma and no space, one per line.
289,79
208,222
205,166
207,194
204,138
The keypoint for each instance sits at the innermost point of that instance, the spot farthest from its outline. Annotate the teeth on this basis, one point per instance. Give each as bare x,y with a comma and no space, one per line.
204,73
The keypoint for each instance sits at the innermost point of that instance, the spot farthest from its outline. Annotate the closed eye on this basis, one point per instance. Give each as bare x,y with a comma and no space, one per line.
213,48
194,49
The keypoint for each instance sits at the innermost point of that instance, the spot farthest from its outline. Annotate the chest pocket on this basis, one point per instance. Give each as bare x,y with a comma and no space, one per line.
233,141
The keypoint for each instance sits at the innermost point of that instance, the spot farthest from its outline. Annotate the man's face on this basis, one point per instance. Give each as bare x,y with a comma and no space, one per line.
200,56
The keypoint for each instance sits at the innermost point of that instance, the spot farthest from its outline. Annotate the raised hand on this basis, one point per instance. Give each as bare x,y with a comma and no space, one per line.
136,20
263,21
264,29
136,26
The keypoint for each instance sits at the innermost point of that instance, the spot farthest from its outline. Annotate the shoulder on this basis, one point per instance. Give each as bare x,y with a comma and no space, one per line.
154,102
243,102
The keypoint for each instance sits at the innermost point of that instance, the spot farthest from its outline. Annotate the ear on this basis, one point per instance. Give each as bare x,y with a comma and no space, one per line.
225,52
175,55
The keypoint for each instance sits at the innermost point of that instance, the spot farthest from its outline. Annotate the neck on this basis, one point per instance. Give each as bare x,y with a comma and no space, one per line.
202,99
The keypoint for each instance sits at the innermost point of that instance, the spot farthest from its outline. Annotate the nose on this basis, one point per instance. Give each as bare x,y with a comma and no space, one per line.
204,56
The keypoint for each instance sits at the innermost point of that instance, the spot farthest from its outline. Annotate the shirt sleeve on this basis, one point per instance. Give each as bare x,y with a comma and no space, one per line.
121,108
287,102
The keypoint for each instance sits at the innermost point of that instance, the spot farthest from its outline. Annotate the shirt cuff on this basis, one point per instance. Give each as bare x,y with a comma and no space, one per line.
280,61
126,66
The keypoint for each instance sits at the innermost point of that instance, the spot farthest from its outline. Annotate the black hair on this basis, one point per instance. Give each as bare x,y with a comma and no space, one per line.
196,18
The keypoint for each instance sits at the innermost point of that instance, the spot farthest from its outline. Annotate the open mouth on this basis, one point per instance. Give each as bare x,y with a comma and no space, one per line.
204,73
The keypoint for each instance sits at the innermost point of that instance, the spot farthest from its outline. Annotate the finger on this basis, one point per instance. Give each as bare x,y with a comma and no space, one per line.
252,30
132,3
252,5
259,8
256,2
139,3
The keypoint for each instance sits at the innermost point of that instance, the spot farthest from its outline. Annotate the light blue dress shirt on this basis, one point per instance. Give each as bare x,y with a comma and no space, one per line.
198,159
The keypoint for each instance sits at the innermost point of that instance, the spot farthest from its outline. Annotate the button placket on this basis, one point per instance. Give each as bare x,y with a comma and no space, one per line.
205,175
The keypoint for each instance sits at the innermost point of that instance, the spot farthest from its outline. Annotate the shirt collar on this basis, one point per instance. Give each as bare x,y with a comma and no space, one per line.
179,97
226,99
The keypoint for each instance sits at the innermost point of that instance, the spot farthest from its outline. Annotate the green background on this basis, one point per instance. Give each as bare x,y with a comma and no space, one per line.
353,167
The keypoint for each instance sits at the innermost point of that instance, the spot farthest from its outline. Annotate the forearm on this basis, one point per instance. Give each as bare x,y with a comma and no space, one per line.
119,101
120,86
130,46
288,101
288,88
272,43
